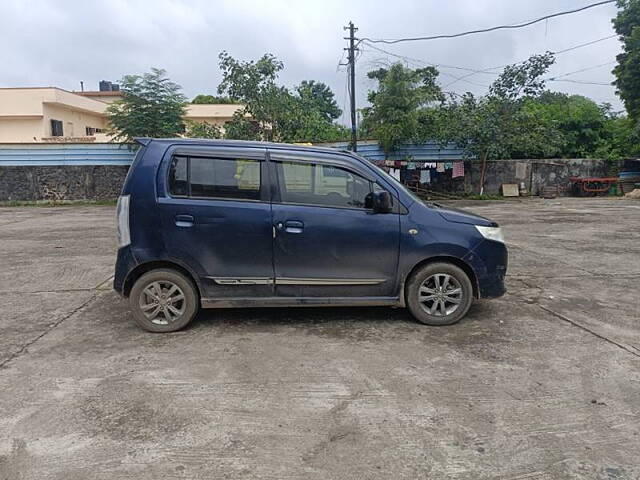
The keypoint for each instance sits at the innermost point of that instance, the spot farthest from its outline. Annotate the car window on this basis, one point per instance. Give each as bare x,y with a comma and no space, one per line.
205,177
178,177
319,184
398,185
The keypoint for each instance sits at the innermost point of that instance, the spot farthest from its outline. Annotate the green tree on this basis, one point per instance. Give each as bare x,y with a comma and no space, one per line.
497,125
627,71
194,129
579,120
320,97
394,116
271,111
619,138
151,106
212,99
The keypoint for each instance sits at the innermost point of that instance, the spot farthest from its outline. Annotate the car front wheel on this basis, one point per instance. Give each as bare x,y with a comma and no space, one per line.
163,300
439,294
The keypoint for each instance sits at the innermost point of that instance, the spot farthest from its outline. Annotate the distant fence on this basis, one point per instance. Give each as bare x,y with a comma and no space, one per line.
78,154
425,152
96,171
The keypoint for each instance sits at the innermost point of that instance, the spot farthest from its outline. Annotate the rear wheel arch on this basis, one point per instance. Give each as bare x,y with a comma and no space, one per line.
143,268
443,259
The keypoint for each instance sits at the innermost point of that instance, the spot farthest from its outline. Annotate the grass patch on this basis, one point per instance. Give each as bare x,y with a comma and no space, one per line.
56,203
484,196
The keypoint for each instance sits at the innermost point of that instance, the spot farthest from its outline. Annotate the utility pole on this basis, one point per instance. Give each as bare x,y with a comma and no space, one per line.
352,82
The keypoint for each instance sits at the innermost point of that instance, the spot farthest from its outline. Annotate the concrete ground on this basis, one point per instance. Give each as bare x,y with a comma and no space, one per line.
541,384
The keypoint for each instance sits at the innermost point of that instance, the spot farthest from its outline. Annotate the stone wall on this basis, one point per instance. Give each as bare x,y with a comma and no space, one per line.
535,174
102,182
63,182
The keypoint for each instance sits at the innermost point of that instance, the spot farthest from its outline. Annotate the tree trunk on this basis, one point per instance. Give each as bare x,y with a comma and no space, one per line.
483,170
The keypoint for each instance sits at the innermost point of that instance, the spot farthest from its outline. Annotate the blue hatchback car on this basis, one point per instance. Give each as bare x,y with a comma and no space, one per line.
218,224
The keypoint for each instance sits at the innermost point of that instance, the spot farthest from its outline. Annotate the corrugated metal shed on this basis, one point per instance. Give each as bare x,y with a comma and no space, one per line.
119,154
426,152
65,154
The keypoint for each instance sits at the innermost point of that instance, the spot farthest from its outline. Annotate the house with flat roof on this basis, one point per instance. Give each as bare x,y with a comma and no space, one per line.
214,113
46,114
106,96
54,115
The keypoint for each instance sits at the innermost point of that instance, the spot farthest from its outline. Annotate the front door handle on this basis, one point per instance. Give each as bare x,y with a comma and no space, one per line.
293,226
184,221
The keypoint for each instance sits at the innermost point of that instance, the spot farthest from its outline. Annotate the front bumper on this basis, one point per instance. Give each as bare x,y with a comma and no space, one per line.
489,261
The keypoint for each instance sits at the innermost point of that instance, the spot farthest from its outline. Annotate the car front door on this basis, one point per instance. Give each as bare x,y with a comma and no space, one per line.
216,215
328,242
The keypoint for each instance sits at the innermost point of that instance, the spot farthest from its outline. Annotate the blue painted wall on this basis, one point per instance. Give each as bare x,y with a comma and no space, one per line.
37,155
117,154
427,152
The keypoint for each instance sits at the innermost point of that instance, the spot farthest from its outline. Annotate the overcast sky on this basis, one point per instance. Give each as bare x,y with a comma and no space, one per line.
61,42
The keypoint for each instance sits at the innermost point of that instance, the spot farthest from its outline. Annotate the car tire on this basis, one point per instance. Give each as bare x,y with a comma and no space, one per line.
444,285
163,301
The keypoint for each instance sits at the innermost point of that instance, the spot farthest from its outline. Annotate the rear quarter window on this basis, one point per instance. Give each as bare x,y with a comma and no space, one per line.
210,177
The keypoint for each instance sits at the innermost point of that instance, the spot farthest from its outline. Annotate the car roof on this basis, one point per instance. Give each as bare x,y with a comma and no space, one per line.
238,143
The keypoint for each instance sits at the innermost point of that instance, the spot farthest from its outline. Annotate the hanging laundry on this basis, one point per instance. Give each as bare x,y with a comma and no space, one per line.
389,163
395,173
440,167
458,170
448,165
397,163
411,166
425,176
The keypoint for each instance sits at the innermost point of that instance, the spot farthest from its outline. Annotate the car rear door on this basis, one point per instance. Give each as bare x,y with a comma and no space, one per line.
216,213
327,241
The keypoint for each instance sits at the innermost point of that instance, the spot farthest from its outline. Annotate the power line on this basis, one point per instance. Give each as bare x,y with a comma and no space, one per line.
579,82
558,52
423,62
344,99
555,77
584,44
487,71
417,61
490,29
340,63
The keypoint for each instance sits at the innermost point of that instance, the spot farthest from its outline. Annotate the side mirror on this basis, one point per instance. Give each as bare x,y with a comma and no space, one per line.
382,202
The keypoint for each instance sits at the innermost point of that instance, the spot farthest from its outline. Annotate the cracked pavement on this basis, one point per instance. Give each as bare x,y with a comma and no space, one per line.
543,383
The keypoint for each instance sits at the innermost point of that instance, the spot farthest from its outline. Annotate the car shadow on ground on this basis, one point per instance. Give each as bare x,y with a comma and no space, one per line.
299,316
322,318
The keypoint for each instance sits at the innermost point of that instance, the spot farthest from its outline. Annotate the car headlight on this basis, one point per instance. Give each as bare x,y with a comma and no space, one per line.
491,233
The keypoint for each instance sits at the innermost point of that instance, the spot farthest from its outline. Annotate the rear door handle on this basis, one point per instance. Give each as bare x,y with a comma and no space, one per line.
184,221
293,226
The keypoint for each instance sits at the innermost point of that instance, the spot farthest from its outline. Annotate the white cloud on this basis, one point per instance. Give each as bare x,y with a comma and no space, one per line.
54,42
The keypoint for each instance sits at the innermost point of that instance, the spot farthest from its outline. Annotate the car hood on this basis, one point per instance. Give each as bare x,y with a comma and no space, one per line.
462,216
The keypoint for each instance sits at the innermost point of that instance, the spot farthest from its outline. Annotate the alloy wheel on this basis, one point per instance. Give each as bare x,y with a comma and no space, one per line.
162,302
440,295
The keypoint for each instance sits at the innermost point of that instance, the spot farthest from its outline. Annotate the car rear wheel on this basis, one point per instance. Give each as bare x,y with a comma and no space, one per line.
439,294
163,300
